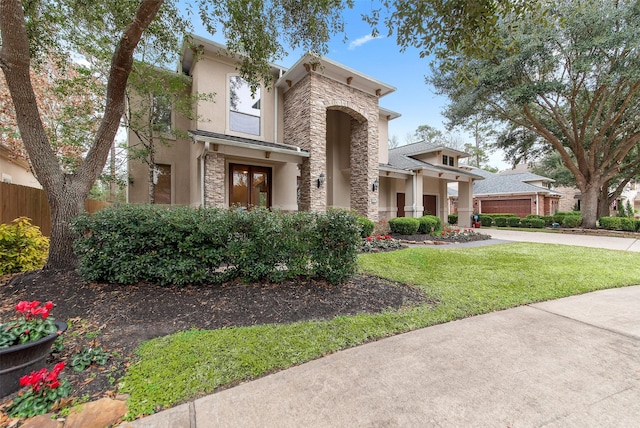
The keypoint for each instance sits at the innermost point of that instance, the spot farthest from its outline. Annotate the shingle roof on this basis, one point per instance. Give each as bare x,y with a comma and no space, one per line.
495,184
401,157
233,138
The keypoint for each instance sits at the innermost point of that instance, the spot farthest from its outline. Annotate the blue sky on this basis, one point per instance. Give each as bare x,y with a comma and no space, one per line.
381,59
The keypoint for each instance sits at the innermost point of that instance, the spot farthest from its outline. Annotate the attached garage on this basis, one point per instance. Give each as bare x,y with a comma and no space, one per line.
519,207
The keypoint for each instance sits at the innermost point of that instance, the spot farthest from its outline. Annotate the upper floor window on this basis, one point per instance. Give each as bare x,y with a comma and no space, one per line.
244,107
161,113
445,159
451,161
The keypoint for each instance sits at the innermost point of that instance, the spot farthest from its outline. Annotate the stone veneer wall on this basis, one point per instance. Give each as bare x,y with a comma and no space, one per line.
305,125
214,177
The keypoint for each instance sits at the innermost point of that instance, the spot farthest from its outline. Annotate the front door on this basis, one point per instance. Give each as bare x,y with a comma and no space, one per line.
250,186
430,204
400,197
162,187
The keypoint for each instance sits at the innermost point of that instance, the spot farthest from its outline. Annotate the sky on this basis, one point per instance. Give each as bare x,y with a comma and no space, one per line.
381,59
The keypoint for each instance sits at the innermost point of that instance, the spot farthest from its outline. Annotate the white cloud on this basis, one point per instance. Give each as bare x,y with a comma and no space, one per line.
361,41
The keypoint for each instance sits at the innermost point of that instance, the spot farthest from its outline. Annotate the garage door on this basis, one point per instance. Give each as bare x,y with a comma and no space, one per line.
519,207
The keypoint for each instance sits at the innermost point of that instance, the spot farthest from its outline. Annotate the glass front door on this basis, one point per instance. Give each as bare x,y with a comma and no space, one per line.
250,186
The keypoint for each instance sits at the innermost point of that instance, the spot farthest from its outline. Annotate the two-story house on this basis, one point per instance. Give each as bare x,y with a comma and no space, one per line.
317,138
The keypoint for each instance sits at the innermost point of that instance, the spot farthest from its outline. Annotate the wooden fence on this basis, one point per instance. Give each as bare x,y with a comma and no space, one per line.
22,201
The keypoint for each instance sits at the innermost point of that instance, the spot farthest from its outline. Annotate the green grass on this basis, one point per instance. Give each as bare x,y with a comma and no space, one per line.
464,282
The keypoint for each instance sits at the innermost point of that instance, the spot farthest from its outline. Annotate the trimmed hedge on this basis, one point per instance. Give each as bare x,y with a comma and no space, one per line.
611,223
560,215
493,216
627,224
429,223
513,221
366,226
132,243
486,220
452,219
571,220
536,223
501,221
404,225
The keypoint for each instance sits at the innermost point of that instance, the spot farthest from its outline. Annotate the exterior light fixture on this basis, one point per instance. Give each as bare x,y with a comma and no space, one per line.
321,180
375,185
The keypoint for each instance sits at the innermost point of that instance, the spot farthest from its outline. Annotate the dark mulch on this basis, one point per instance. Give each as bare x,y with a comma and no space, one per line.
119,318
421,237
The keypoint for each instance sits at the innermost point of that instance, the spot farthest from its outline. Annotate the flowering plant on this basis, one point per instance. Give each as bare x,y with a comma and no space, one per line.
45,390
380,242
32,324
456,234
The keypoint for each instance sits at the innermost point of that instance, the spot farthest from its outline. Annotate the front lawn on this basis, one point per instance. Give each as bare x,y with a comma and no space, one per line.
458,283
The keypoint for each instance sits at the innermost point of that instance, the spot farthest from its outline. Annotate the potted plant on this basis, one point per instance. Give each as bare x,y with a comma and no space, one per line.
26,342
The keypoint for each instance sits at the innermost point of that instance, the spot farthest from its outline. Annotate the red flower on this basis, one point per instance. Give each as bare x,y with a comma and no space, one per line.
369,238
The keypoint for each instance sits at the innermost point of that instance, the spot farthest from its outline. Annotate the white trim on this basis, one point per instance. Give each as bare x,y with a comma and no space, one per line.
296,151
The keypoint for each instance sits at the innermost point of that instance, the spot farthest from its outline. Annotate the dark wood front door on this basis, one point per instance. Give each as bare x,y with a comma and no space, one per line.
400,204
430,204
250,186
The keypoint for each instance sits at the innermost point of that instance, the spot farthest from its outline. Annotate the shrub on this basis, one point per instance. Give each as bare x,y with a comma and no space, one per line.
610,223
452,219
366,226
493,215
486,220
525,222
500,221
627,224
548,220
429,223
637,222
22,246
572,220
533,216
184,245
560,215
536,223
513,221
404,225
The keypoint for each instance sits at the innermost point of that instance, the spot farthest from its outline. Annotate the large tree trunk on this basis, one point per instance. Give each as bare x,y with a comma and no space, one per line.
589,206
65,204
66,193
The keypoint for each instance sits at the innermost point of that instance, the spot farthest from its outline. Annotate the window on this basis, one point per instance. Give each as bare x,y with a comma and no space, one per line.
161,113
244,107
445,159
451,161
162,184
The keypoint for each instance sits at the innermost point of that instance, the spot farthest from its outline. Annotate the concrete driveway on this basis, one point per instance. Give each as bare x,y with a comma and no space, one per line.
611,243
573,362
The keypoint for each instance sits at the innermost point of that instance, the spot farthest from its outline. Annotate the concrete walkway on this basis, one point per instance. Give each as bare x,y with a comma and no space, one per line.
573,362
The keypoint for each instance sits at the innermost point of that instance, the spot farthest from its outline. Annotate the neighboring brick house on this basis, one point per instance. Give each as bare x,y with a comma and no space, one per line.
317,138
520,193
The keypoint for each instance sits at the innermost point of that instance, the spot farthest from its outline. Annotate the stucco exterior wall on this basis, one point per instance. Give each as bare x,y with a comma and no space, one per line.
383,139
16,173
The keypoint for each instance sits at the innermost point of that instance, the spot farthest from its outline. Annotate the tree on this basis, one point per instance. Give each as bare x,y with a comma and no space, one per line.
393,142
108,33
65,95
570,75
552,166
153,95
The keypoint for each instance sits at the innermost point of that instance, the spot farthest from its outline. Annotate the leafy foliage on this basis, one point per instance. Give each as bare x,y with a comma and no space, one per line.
404,225
572,221
88,356
22,246
452,219
568,75
184,245
366,226
45,389
429,223
486,220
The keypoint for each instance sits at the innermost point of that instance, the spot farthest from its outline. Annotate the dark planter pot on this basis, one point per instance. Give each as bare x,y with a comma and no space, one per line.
19,360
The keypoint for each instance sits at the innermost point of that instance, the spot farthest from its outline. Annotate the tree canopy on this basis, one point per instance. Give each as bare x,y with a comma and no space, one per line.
569,74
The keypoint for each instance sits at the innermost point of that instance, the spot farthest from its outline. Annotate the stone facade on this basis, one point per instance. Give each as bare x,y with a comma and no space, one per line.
305,125
214,176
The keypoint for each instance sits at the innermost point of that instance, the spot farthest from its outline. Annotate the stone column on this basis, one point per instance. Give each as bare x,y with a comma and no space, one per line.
214,180
443,197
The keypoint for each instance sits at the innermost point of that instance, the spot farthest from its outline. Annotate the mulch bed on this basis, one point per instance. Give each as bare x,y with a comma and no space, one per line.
119,318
